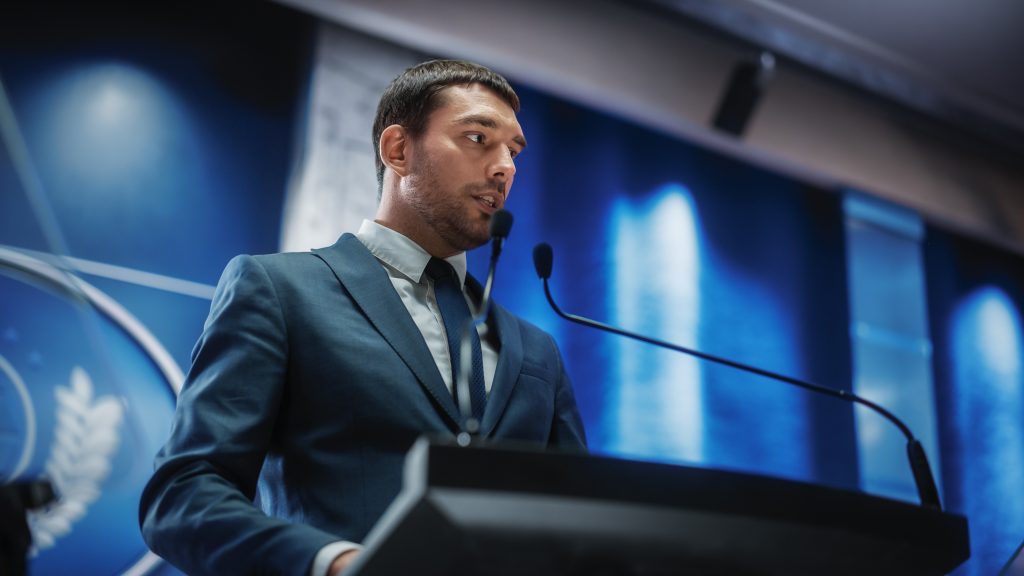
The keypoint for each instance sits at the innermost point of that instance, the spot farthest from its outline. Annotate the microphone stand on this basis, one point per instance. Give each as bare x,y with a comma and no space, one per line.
501,225
919,466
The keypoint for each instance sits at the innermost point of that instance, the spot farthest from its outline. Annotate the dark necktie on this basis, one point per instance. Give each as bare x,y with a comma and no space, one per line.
455,313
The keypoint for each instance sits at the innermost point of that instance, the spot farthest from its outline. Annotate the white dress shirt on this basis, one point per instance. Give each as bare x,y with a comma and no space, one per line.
406,263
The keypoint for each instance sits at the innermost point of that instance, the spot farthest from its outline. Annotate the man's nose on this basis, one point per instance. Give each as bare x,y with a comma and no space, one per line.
503,167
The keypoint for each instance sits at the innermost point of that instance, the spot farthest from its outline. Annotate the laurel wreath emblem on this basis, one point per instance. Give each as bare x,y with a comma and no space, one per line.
85,441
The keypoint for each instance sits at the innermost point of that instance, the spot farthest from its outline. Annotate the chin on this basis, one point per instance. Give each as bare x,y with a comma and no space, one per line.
477,240
473,232
479,233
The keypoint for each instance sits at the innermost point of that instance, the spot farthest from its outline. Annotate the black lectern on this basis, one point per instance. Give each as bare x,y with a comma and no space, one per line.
497,511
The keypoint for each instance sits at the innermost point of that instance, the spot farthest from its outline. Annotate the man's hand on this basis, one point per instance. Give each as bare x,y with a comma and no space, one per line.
342,562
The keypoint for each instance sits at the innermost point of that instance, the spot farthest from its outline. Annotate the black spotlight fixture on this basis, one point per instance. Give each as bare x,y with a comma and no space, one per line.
747,83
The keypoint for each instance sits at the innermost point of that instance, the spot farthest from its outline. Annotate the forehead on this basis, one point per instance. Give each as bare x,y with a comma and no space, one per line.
473,100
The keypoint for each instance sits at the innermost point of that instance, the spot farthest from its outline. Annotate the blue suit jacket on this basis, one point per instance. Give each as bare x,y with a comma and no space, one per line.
309,383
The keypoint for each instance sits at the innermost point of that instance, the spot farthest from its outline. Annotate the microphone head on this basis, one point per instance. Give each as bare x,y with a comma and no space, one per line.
501,224
543,258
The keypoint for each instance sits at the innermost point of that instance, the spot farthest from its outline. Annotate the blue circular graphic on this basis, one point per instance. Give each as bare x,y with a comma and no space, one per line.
17,422
86,399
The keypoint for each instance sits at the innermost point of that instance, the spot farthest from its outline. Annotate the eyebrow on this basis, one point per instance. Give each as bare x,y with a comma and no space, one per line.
487,122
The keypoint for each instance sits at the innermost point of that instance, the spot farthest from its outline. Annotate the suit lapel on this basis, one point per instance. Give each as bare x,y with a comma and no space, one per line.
364,278
510,360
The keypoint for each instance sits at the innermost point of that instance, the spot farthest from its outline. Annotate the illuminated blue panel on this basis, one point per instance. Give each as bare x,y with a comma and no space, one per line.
890,342
988,388
658,407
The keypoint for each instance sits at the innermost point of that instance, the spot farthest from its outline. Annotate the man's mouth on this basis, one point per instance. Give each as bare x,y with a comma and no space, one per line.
491,197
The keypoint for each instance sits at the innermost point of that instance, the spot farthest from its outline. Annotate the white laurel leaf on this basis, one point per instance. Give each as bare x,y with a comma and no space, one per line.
73,402
58,463
65,446
81,383
103,420
73,511
70,515
76,501
105,410
43,539
101,443
94,467
63,396
84,443
69,418
54,525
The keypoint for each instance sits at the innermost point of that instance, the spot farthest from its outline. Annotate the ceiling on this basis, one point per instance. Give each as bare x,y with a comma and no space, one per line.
961,62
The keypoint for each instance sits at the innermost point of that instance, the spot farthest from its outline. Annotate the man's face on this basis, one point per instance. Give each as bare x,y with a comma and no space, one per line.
462,166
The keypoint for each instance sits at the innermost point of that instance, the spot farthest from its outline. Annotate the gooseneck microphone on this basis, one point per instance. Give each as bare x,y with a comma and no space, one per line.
501,225
543,259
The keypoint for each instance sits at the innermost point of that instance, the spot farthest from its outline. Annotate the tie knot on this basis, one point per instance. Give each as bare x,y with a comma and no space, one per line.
438,269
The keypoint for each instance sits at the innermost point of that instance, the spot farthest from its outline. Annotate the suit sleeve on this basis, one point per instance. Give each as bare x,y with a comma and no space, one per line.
567,426
197,510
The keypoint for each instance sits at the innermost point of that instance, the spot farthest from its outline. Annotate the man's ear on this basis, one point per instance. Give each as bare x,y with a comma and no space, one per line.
394,143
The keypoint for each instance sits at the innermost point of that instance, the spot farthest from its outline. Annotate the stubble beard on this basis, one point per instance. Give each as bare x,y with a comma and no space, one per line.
445,211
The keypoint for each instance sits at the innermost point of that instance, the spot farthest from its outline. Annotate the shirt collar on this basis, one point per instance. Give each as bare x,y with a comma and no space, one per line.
401,253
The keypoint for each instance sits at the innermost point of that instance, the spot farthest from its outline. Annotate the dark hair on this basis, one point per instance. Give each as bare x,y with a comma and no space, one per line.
410,99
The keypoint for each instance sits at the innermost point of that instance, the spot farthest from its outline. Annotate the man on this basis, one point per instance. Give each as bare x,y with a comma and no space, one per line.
316,371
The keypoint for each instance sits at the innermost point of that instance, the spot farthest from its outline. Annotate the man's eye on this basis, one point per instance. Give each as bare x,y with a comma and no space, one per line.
478,138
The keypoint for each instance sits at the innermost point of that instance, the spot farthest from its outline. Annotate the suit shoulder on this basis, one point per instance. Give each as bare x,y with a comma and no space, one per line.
283,259
273,264
247,273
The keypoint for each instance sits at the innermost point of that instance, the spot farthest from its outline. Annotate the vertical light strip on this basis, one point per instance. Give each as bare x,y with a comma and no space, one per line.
988,348
890,340
658,401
